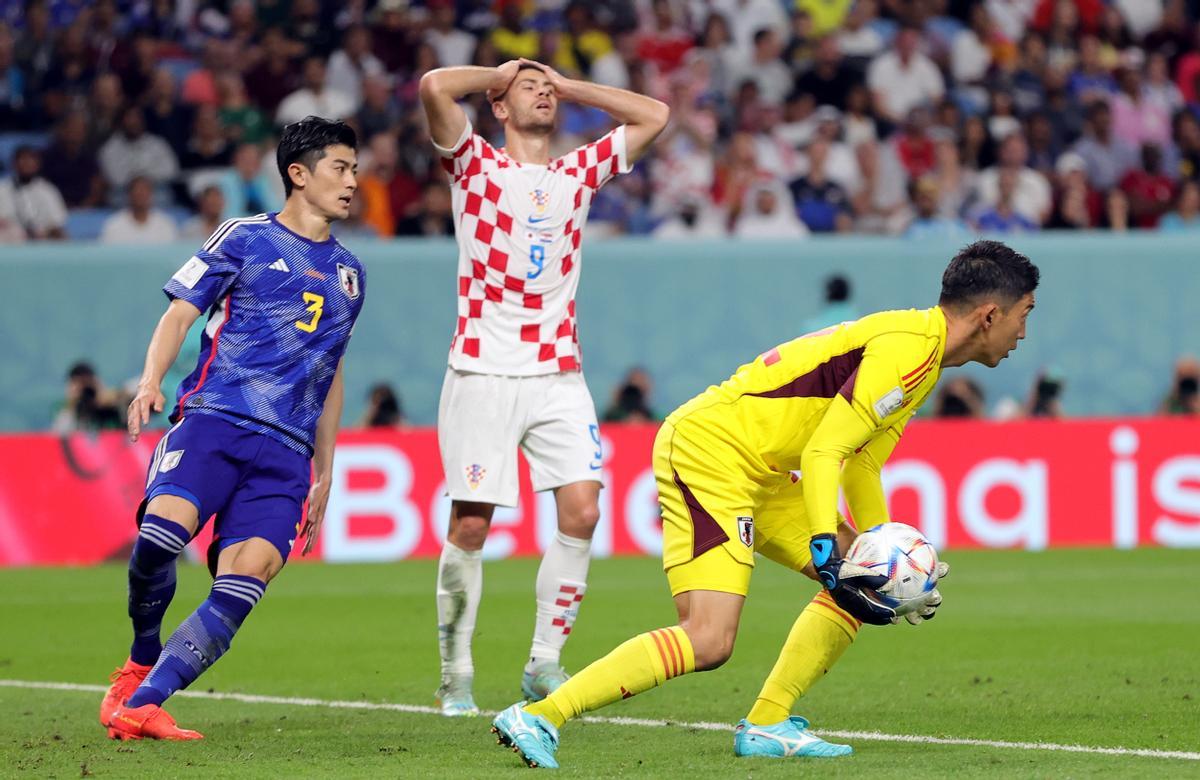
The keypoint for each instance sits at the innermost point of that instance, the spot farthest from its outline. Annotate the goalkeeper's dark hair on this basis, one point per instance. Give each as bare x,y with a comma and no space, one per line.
987,269
305,142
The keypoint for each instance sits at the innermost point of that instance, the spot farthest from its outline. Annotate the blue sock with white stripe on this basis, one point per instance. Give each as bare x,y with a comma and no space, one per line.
152,583
201,639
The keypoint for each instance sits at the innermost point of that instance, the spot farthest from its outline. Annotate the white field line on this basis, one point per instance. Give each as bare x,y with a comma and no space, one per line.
873,736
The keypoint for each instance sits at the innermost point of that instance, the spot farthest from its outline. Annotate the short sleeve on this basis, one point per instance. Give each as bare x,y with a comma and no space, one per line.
469,156
209,274
597,162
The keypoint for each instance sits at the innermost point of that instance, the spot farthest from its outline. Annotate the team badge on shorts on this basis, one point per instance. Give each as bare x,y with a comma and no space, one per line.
170,460
349,278
745,528
475,475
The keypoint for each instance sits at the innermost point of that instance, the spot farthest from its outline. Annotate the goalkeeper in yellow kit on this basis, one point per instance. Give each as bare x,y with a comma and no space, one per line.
754,465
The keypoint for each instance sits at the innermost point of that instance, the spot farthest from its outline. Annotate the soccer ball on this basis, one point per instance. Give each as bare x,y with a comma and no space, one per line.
905,556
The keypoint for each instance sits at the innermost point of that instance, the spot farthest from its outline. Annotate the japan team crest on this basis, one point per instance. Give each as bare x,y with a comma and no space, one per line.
349,278
745,529
475,475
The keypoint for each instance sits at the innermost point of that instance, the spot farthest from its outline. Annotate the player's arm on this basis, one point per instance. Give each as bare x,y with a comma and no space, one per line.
854,418
168,337
442,88
327,429
862,478
643,116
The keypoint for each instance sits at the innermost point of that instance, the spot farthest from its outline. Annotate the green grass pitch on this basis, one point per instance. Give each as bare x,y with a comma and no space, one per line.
1080,647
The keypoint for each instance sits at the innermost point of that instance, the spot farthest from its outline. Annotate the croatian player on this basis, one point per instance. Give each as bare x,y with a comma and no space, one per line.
754,465
252,423
514,368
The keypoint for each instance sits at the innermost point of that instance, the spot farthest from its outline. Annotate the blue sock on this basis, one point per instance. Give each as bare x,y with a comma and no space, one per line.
201,639
152,583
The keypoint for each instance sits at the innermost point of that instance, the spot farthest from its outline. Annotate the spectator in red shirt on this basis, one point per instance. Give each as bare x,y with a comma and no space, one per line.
914,147
1149,190
663,42
1089,12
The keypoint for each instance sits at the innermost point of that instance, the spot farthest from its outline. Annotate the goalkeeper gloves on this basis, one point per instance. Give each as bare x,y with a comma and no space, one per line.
932,602
846,581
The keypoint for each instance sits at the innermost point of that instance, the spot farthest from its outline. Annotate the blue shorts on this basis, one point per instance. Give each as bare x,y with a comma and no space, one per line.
256,486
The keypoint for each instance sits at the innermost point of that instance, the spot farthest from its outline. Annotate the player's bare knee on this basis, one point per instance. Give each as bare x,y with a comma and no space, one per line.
256,558
580,522
712,646
176,509
468,532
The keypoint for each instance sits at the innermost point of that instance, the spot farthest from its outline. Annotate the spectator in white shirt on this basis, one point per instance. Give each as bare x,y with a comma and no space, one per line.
903,79
33,203
132,152
314,99
766,69
970,55
454,47
1031,197
140,222
857,39
349,65
768,212
747,17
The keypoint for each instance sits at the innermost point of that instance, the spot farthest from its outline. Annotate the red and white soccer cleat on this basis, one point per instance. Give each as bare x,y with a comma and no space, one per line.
124,682
147,722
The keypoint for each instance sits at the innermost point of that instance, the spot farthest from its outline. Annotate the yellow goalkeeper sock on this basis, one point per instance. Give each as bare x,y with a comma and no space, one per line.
644,662
817,639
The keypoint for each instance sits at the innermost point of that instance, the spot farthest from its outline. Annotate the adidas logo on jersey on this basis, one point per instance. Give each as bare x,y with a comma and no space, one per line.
279,265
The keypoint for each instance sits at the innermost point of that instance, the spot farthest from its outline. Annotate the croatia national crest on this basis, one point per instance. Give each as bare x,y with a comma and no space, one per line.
475,475
349,278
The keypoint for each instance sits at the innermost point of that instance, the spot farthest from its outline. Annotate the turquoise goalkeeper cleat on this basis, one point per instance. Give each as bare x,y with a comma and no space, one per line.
532,737
542,680
787,738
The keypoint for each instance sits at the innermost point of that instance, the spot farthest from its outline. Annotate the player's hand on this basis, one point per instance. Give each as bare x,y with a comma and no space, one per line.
846,581
147,401
318,499
505,73
561,83
934,600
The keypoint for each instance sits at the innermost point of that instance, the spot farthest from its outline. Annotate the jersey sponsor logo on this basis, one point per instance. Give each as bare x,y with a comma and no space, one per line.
191,272
475,475
745,529
279,265
890,402
349,278
170,460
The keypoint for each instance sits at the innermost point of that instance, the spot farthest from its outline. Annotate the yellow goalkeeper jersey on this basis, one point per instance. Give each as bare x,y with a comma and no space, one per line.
839,396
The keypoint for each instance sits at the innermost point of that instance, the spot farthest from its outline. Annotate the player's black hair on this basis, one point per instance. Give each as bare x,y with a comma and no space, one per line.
305,142
988,269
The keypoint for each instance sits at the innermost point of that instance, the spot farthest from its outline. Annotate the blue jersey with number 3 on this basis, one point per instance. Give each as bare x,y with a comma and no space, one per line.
280,312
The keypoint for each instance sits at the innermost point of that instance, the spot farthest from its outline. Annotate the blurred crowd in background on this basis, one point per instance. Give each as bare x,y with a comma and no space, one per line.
153,120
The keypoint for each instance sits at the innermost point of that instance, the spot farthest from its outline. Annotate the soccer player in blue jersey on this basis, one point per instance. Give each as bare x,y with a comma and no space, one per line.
254,424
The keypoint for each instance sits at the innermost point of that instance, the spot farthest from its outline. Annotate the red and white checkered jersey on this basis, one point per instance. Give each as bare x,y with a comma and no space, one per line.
518,228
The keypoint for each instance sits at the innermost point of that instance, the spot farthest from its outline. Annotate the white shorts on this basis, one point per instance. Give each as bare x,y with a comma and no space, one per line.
483,418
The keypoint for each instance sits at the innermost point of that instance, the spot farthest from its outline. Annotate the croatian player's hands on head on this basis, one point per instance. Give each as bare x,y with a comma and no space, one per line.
846,581
149,400
318,499
560,82
932,602
506,73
